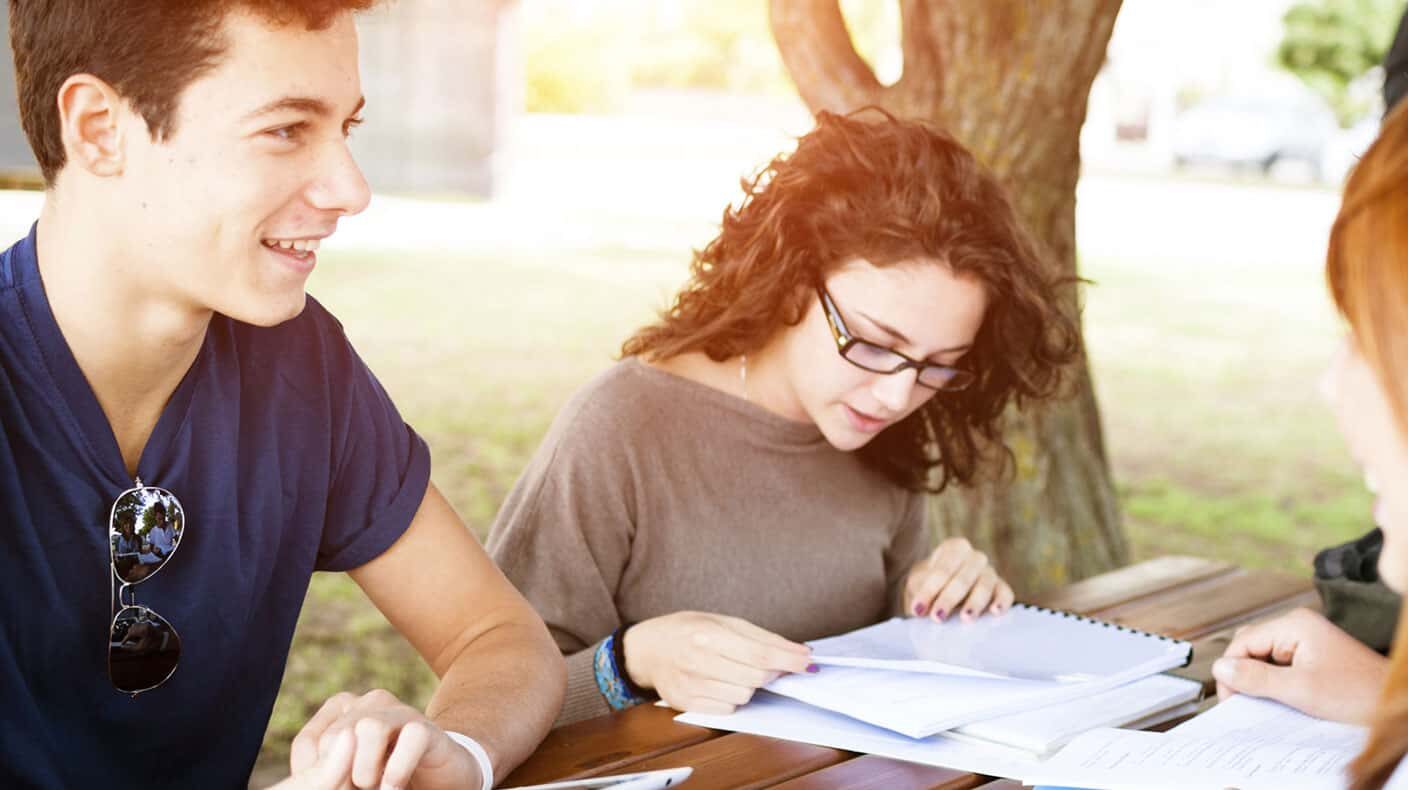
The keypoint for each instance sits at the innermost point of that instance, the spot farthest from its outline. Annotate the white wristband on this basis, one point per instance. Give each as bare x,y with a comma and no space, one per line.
486,768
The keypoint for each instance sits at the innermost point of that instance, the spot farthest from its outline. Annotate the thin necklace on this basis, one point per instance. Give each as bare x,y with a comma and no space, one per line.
743,375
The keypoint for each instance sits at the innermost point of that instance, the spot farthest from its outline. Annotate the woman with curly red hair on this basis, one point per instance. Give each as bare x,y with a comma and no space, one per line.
752,473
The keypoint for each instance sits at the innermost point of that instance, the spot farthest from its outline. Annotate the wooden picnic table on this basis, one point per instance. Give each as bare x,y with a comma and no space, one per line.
1183,597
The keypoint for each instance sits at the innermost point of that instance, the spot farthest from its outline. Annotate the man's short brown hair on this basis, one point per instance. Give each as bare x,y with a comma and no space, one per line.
148,50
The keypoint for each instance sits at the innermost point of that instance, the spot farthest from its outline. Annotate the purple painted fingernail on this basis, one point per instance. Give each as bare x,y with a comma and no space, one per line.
940,614
813,668
919,609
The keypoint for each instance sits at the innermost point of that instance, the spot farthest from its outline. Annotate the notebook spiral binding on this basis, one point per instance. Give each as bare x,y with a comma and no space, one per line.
1187,659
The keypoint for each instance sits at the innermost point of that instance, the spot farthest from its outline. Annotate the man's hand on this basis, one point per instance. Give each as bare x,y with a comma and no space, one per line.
390,743
707,663
1301,659
334,770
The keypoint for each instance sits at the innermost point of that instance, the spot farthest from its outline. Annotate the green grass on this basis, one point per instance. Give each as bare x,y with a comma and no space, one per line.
1206,374
1208,378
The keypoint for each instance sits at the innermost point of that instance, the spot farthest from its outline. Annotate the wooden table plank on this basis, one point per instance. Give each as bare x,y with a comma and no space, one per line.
739,760
1125,585
607,744
869,772
1212,604
1003,784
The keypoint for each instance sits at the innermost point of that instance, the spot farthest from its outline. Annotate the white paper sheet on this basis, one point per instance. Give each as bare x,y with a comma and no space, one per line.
1043,730
1023,643
1243,743
919,705
1026,642
1253,719
778,717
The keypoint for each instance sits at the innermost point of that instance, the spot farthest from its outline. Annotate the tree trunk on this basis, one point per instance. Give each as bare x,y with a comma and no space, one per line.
1009,79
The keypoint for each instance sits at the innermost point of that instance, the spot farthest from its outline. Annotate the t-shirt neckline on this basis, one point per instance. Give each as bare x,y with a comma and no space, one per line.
77,394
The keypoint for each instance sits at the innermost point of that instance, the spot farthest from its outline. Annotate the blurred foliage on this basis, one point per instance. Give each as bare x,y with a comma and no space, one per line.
586,58
573,65
1329,44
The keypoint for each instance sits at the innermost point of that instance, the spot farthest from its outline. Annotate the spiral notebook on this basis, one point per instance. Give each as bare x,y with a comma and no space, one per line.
918,677
1072,648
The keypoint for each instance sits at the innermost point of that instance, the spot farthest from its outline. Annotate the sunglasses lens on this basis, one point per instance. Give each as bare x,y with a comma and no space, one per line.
145,528
143,650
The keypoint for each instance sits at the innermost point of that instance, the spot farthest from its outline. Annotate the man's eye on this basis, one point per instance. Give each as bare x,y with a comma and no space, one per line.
291,133
349,125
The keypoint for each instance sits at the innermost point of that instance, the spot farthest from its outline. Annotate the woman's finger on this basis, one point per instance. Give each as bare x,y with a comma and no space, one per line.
978,599
767,654
719,691
959,585
929,577
1003,599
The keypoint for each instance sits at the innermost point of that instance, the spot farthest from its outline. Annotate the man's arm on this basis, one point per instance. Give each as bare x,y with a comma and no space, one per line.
501,677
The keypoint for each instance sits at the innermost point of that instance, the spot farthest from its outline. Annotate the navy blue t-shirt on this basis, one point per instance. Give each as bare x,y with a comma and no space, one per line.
288,457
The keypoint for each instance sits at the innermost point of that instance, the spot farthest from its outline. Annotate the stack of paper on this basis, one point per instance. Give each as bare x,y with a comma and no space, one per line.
1007,746
918,677
1245,742
990,696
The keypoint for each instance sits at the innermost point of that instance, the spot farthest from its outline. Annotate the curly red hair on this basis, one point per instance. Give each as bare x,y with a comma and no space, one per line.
868,185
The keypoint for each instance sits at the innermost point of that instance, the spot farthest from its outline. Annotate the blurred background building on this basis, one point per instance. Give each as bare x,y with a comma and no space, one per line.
15,156
441,78
462,92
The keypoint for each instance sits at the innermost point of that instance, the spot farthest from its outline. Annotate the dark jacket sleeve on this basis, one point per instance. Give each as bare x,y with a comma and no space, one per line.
1396,67
1354,597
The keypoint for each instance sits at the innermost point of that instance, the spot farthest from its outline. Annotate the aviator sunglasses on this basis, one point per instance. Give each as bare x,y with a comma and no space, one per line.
144,530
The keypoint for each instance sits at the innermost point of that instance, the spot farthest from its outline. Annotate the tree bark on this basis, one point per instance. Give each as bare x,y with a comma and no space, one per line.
1010,79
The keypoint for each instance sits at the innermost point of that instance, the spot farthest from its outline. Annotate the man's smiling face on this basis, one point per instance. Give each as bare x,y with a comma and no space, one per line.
227,212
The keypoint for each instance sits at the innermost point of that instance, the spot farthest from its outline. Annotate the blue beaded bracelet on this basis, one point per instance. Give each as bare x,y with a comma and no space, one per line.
611,680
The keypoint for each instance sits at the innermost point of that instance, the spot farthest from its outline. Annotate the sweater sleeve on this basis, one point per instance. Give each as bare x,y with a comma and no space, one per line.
584,700
910,544
563,537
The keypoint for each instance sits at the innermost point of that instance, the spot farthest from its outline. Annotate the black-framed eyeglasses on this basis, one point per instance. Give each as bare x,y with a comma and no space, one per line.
879,359
144,530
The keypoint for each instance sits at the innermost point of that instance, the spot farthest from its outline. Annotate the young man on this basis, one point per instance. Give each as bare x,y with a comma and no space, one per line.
185,437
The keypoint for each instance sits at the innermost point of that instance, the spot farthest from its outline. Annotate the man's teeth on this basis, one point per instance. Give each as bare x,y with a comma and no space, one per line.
300,245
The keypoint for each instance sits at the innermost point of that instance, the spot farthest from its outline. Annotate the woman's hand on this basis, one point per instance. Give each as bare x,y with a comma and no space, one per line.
708,663
955,579
1305,661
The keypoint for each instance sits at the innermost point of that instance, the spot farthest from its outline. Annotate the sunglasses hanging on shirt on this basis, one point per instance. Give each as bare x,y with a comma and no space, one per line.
144,530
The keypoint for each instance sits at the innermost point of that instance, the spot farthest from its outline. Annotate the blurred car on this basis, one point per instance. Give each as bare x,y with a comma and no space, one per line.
1253,131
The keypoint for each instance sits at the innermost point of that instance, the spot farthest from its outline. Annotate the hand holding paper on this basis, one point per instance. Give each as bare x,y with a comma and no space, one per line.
955,579
708,663
1305,661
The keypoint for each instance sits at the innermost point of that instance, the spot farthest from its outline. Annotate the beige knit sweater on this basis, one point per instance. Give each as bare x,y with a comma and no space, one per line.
653,494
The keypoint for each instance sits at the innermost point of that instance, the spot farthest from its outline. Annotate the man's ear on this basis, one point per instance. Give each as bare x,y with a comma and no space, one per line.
91,119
